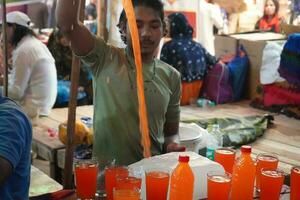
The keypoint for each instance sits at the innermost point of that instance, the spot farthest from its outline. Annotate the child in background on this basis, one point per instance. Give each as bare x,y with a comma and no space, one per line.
270,20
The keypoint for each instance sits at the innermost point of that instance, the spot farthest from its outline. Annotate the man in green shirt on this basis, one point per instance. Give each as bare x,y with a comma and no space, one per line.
116,119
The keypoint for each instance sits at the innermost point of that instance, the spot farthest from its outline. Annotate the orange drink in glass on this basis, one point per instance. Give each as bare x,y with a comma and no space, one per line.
110,175
267,161
271,182
86,172
295,183
157,183
218,185
128,182
126,194
226,157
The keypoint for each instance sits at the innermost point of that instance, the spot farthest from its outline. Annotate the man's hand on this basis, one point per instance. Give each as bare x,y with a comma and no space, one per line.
174,147
6,170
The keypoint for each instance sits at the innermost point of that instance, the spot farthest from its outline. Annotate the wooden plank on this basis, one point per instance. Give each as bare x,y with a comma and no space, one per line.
226,110
287,153
41,135
46,146
85,111
285,130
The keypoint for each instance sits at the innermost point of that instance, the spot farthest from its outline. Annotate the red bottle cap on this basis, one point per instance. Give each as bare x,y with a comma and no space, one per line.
246,149
184,159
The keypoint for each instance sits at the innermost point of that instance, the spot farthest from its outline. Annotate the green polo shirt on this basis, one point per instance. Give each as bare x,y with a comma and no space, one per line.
116,119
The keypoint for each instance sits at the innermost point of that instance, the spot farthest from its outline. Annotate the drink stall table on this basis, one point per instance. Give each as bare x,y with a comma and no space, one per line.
45,140
282,138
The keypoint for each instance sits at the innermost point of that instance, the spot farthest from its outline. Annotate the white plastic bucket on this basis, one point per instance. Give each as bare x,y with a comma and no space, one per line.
191,136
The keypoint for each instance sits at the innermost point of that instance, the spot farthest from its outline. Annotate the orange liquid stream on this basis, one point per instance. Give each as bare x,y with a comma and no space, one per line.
128,7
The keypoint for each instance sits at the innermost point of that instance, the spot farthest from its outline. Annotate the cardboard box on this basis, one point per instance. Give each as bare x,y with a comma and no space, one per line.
224,45
254,44
259,36
290,29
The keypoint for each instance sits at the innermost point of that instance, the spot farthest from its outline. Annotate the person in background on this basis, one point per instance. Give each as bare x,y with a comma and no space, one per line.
209,16
187,56
51,4
32,82
91,10
15,146
60,48
91,16
115,8
245,19
270,20
116,118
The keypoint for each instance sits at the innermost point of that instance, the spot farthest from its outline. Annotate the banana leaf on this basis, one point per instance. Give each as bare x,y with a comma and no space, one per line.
237,131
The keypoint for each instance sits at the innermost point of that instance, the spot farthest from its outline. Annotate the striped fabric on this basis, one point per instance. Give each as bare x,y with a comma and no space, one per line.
290,60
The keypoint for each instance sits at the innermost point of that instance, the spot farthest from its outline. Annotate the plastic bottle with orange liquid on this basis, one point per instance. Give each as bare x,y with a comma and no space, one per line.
182,180
243,176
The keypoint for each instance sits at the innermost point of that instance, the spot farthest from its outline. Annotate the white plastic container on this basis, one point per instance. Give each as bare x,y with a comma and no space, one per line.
191,136
199,164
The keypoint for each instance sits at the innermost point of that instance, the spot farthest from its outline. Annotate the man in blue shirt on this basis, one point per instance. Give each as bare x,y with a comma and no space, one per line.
15,146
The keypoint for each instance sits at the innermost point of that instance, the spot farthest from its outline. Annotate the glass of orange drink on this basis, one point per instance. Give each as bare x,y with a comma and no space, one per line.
295,183
226,157
265,160
86,172
218,185
271,182
128,182
157,183
110,175
126,194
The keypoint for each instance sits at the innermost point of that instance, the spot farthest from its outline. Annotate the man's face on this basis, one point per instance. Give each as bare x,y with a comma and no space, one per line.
150,28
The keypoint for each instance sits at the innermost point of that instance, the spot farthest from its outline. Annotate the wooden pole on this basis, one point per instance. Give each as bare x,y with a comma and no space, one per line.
102,30
4,52
68,170
98,4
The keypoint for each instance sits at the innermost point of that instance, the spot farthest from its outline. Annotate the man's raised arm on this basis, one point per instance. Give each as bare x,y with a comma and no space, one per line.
67,15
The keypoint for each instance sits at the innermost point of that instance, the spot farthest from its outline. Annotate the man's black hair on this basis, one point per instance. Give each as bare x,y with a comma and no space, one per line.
20,32
156,5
